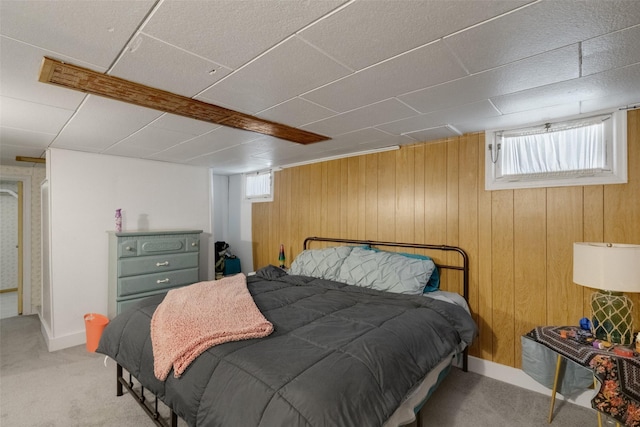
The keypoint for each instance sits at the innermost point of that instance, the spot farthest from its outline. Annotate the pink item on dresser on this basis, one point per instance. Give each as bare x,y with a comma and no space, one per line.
193,318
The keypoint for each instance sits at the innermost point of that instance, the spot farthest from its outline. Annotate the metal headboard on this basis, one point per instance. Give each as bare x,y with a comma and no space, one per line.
465,259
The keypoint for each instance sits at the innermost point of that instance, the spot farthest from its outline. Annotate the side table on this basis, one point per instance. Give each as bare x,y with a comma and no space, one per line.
619,393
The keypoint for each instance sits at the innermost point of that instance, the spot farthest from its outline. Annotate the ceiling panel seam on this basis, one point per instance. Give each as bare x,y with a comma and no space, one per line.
135,33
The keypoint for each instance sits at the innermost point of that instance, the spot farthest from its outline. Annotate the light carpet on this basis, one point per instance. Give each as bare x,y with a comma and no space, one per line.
72,387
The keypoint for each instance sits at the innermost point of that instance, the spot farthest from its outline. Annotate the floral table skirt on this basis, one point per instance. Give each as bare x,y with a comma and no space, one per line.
615,397
619,377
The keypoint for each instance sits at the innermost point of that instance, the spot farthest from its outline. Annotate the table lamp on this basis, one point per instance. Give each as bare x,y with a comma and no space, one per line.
612,268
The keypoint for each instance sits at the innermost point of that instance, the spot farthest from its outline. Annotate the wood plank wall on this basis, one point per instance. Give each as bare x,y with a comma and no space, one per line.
519,241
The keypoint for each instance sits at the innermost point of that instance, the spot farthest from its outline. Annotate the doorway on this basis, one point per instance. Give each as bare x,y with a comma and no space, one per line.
11,248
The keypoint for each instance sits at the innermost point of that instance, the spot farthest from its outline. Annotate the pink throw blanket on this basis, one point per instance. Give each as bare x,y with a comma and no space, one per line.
193,318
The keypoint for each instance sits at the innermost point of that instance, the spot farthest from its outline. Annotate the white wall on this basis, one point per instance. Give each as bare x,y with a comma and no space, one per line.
85,190
232,218
240,238
221,207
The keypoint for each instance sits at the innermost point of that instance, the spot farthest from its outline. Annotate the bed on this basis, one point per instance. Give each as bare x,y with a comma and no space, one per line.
355,341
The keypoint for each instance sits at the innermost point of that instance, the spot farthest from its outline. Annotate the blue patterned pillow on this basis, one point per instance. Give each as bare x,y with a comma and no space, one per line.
386,271
433,284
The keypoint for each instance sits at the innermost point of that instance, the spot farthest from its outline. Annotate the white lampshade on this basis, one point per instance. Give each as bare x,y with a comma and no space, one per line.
607,266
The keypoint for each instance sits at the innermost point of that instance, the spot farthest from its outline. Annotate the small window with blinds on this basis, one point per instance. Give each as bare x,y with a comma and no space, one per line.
583,151
258,186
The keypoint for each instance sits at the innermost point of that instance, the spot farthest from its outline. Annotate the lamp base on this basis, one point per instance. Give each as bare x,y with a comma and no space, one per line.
612,320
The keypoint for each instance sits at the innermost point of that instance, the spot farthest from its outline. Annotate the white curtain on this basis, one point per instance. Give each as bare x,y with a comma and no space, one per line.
258,185
552,153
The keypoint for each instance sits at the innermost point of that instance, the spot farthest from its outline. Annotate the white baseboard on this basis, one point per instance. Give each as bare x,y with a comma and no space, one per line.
66,341
59,343
519,378
46,333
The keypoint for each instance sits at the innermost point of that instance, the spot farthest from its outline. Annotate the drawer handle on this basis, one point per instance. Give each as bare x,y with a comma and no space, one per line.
194,244
162,264
128,248
159,281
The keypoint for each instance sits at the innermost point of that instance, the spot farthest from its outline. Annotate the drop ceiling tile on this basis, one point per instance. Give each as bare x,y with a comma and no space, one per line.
25,138
620,80
180,153
107,122
381,112
289,69
296,112
406,73
549,67
362,136
30,116
276,155
285,150
9,152
431,134
520,119
183,124
232,32
155,139
365,33
127,150
472,111
611,51
539,27
265,143
230,161
294,158
154,63
92,31
216,140
620,100
230,137
19,70
299,159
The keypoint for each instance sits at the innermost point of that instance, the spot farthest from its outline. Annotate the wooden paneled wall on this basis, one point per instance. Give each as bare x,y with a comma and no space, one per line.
519,241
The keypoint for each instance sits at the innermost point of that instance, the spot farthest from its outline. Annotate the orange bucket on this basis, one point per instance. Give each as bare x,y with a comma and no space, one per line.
94,324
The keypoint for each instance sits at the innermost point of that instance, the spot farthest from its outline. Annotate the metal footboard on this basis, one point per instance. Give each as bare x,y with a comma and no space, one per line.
152,412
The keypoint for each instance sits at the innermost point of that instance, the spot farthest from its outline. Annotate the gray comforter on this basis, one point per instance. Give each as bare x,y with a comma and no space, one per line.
339,355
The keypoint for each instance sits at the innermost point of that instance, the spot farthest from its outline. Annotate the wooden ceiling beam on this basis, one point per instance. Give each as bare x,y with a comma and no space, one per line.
30,159
85,80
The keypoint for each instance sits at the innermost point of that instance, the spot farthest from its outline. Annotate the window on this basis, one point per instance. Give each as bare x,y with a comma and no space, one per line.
258,186
583,151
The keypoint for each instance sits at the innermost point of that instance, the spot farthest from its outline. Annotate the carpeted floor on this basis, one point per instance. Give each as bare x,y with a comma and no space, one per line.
72,387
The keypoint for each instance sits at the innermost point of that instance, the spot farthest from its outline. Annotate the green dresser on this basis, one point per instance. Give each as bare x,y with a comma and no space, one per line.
145,263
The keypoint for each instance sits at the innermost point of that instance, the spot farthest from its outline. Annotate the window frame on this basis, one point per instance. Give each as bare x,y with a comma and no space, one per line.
260,197
616,146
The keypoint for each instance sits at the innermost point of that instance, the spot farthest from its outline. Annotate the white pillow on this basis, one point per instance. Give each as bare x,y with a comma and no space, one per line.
320,263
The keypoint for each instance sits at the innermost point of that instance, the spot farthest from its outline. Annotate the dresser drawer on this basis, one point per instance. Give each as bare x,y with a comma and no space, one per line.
156,245
152,282
156,264
122,305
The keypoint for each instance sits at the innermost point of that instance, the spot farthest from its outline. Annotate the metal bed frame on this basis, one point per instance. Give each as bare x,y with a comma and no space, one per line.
154,414
141,399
